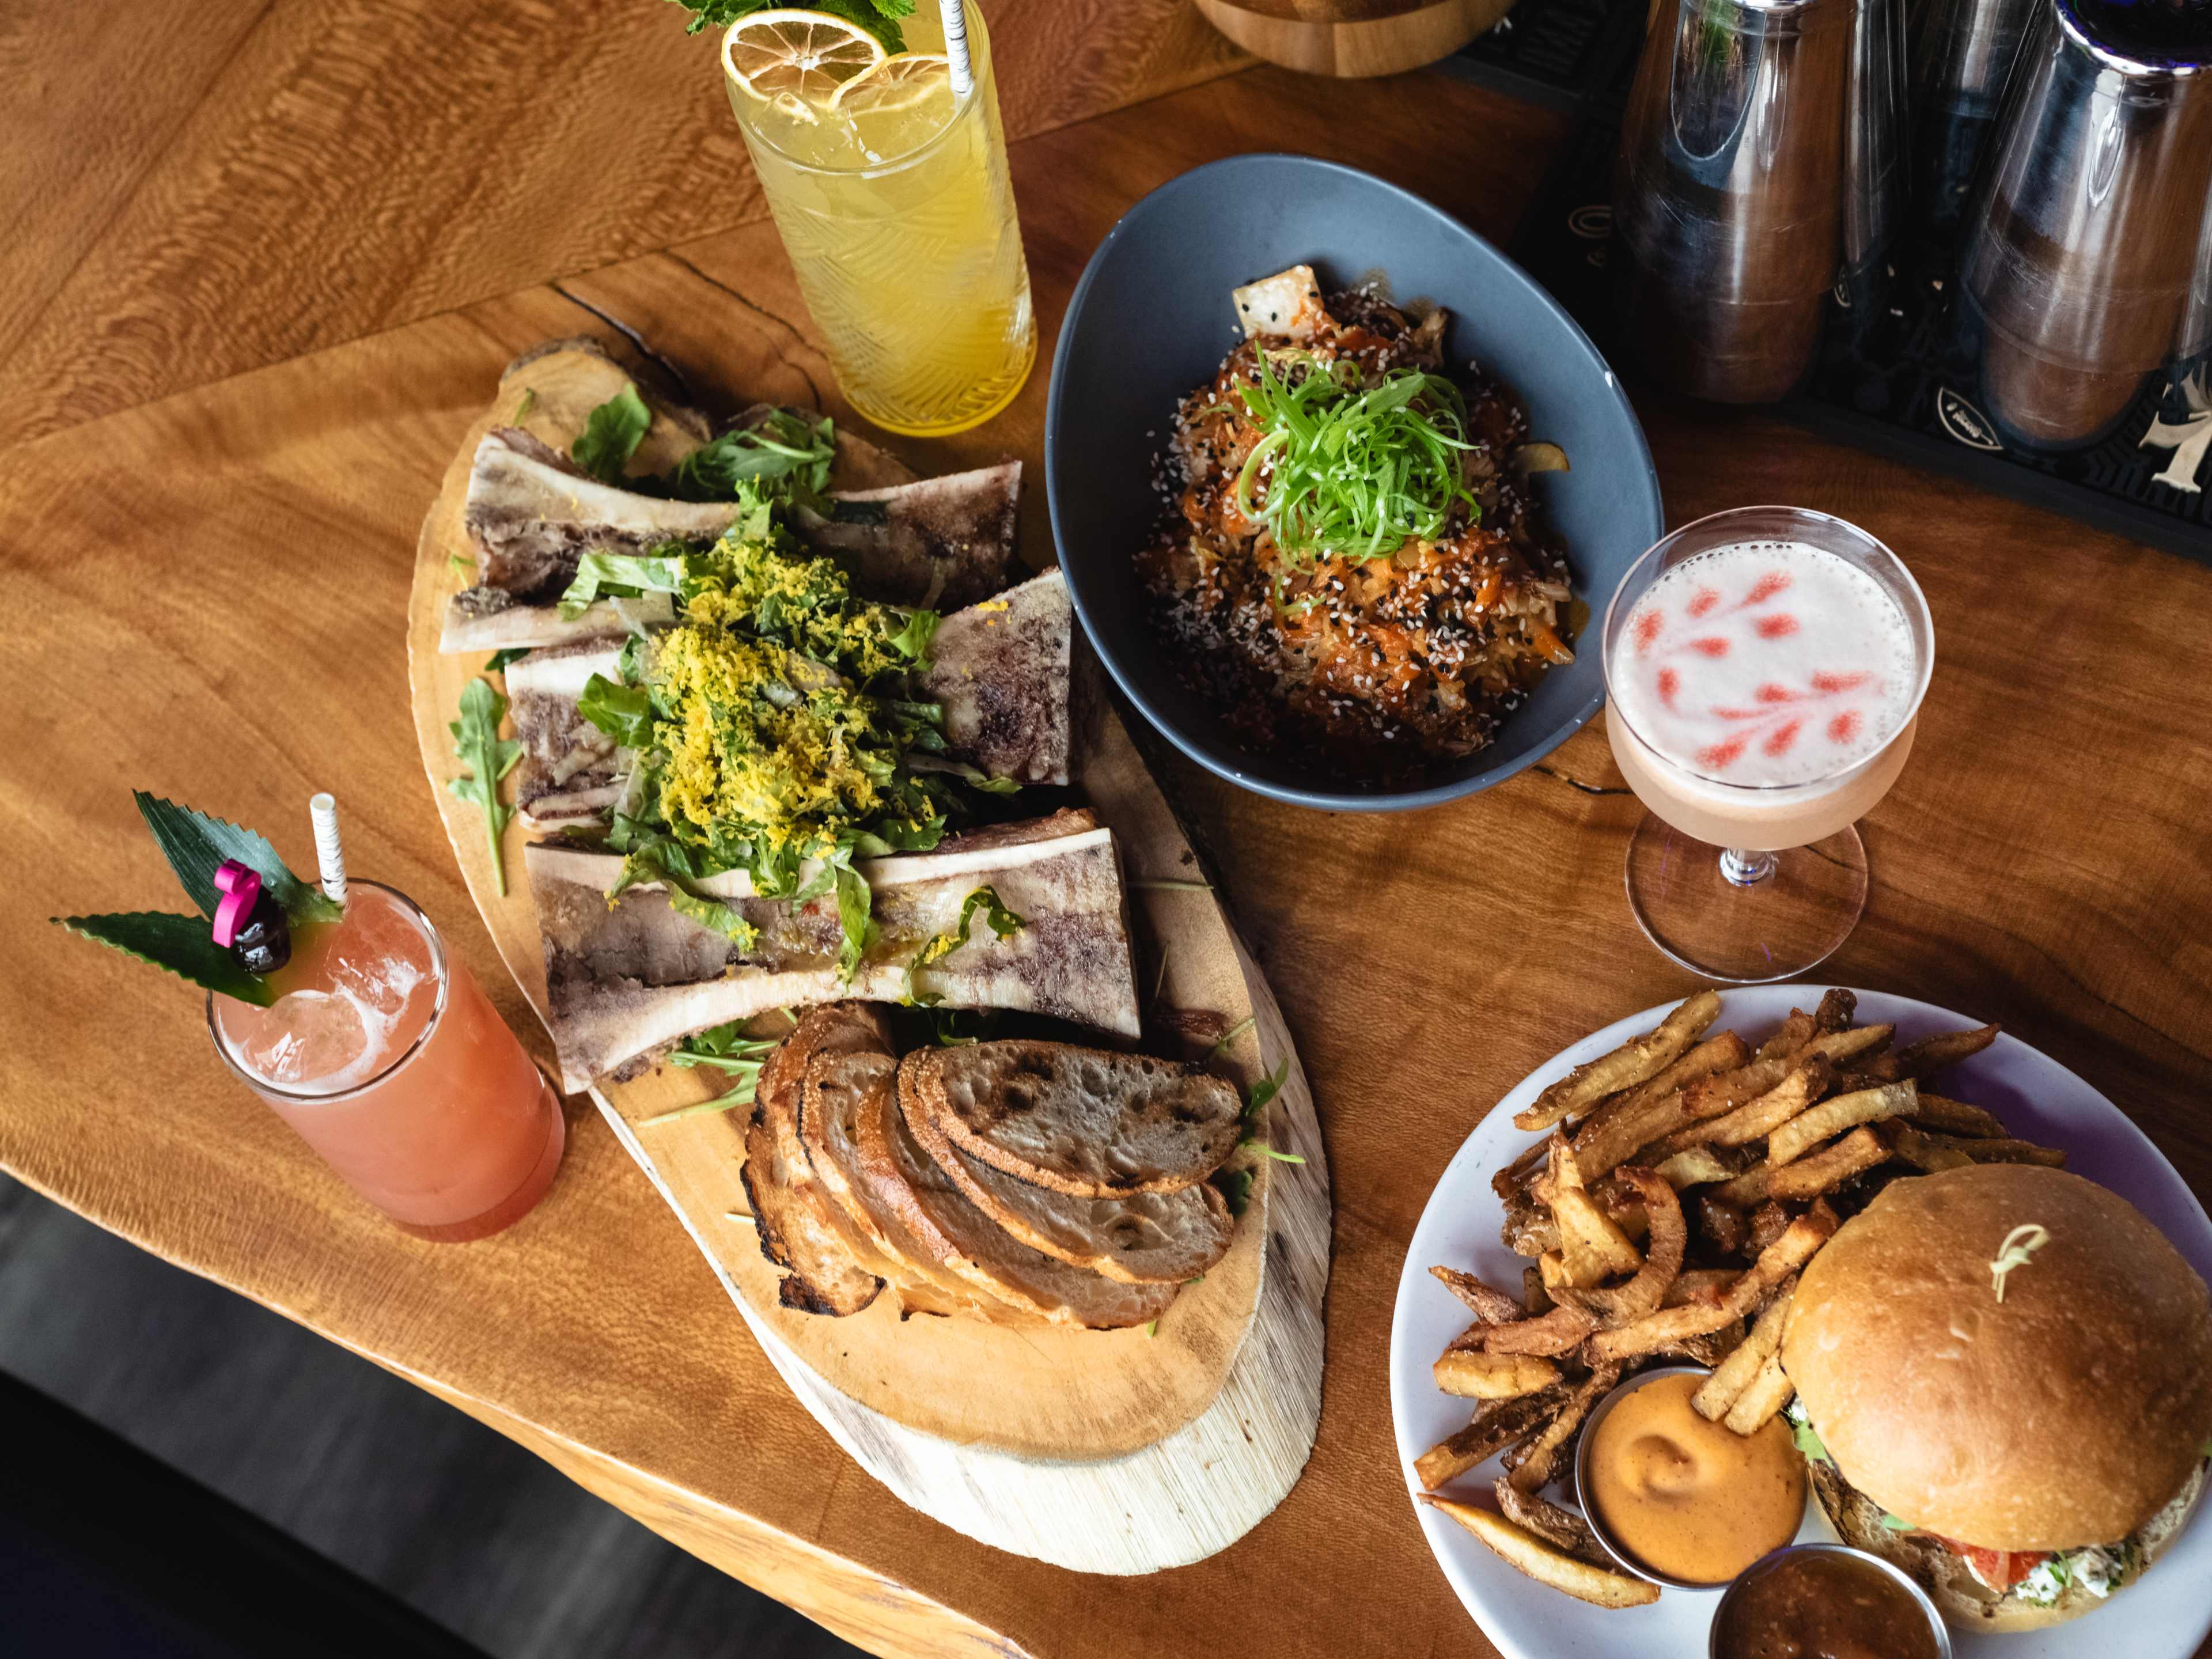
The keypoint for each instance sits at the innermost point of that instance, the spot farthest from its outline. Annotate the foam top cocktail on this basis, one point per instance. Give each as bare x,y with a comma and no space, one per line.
890,188
1763,694
1764,667
387,1057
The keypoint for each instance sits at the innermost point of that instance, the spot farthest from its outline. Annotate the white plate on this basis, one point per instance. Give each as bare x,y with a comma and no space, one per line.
2165,1616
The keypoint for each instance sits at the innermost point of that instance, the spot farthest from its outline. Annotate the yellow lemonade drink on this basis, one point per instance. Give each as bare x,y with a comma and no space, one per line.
892,194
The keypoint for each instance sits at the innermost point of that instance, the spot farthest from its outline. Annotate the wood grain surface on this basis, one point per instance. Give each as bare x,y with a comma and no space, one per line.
1044,1396
2043,861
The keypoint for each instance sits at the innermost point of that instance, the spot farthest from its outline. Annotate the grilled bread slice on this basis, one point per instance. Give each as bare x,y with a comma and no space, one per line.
1084,1121
829,1266
1145,1238
963,1239
839,1089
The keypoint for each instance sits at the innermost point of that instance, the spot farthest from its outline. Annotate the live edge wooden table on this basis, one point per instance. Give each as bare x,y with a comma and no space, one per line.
264,268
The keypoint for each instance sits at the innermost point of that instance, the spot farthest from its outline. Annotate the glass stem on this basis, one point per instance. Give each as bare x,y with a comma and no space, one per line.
1742,869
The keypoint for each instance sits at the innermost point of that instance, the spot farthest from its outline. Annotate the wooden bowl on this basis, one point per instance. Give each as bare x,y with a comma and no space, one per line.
1353,38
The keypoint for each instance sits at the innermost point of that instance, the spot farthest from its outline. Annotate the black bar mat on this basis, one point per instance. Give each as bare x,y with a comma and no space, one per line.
1888,377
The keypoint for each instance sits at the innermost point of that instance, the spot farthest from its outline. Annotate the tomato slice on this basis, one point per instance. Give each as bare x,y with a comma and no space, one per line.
1999,1569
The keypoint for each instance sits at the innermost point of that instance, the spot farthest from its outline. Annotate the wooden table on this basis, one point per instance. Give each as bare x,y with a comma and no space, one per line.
266,269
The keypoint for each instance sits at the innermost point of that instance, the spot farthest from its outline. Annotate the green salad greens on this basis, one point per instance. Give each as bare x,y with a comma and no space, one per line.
1352,470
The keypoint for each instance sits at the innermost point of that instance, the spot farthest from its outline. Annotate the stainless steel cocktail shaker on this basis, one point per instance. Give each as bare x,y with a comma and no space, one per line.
1758,162
1961,53
2082,237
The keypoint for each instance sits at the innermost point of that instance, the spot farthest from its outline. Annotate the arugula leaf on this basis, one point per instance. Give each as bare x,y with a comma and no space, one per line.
711,913
628,573
624,712
854,901
529,402
1894,1524
1000,921
784,449
1264,1091
500,660
178,945
911,641
196,844
611,434
1234,1187
879,17
740,1095
725,1046
486,758
464,566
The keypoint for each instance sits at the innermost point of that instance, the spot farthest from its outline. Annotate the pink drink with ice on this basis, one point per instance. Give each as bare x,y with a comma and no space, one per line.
1763,694
385,1056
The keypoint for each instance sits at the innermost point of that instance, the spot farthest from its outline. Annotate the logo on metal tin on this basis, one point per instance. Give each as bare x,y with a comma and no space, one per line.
1964,423
1593,223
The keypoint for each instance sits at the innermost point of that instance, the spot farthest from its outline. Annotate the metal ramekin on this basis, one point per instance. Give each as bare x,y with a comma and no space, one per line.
1936,1627
1614,1546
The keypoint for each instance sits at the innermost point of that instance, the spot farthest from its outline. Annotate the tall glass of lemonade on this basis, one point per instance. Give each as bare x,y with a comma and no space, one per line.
888,181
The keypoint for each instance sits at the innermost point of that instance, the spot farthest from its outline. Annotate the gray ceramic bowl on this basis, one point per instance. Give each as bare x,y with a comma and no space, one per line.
1152,318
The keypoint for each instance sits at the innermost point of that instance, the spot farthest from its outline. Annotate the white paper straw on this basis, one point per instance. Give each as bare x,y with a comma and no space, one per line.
329,856
956,47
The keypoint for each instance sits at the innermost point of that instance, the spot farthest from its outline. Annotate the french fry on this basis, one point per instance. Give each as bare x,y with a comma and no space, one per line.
1794,1034
1852,1041
1560,1331
1767,1223
1535,1460
1783,1257
1768,1392
1954,1117
1634,1063
1497,1425
1533,1296
1492,1307
1929,1152
1706,1284
1811,1175
1585,1228
1733,1375
1522,1550
1562,1529
1718,1095
1943,1050
1696,1166
1478,1376
1715,1054
1708,1349
1793,1139
1758,1117
1515,1177
1670,1236
1722,1225
1529,1229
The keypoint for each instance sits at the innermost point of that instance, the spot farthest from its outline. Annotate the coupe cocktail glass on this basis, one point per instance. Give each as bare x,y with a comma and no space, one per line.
1764,670
387,1058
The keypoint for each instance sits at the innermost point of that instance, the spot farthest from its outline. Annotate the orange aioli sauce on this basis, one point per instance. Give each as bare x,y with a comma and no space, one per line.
1689,1498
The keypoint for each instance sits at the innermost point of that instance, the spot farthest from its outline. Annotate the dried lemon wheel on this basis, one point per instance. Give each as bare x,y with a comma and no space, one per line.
796,61
895,85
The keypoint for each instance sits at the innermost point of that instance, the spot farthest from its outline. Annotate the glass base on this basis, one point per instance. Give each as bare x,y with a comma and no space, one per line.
517,1204
960,422
1745,919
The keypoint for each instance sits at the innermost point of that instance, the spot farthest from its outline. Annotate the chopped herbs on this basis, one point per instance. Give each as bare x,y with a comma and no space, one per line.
486,758
1350,470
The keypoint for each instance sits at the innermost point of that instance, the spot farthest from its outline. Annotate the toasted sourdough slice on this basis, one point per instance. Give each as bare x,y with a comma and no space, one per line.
830,1267
1081,1121
1145,1238
838,1087
963,1239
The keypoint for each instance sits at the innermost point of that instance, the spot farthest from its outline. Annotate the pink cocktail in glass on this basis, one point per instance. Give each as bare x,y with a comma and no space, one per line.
385,1056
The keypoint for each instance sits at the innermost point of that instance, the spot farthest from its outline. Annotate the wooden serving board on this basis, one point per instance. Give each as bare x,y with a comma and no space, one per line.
1119,1451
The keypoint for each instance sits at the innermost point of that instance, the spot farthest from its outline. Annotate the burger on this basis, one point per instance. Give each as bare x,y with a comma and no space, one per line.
2004,1387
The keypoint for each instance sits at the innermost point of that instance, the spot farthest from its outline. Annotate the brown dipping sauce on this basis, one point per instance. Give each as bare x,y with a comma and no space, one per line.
1689,1498
1821,1604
